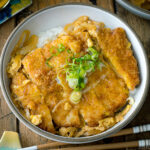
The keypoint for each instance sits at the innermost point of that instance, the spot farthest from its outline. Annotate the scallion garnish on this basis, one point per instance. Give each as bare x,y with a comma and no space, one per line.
75,97
68,51
77,69
47,61
61,48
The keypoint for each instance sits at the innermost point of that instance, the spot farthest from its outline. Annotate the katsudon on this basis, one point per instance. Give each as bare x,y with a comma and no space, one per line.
76,84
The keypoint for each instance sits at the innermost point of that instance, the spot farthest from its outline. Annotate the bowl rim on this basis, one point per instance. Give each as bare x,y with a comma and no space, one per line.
54,137
134,9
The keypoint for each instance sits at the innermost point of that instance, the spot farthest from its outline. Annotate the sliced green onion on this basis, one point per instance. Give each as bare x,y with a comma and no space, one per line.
90,66
75,97
68,51
87,57
94,53
82,85
82,72
78,68
73,82
61,48
47,61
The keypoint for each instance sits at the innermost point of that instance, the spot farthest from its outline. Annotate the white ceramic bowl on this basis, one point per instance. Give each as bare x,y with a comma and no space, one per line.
59,16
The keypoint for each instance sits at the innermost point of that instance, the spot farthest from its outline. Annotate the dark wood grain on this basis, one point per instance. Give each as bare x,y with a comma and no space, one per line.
106,4
7,119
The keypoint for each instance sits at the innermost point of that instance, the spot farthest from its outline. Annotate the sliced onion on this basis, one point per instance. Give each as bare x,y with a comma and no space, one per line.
75,97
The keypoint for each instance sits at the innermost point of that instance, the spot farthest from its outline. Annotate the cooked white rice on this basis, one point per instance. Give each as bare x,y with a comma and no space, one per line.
48,35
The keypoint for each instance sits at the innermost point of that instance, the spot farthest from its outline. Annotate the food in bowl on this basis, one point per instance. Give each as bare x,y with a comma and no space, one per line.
76,83
142,3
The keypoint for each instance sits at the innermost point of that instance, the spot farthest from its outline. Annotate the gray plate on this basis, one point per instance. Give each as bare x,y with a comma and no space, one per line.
134,9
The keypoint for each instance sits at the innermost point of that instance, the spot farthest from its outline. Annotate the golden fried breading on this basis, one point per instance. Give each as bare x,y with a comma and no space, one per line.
59,60
47,123
112,99
30,97
100,98
91,108
116,48
25,90
65,115
113,44
35,67
42,75
68,131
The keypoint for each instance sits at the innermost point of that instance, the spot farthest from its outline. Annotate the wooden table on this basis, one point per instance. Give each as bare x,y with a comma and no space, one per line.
142,27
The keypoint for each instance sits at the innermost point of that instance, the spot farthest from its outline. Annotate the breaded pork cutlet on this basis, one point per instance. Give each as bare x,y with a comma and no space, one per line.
116,48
